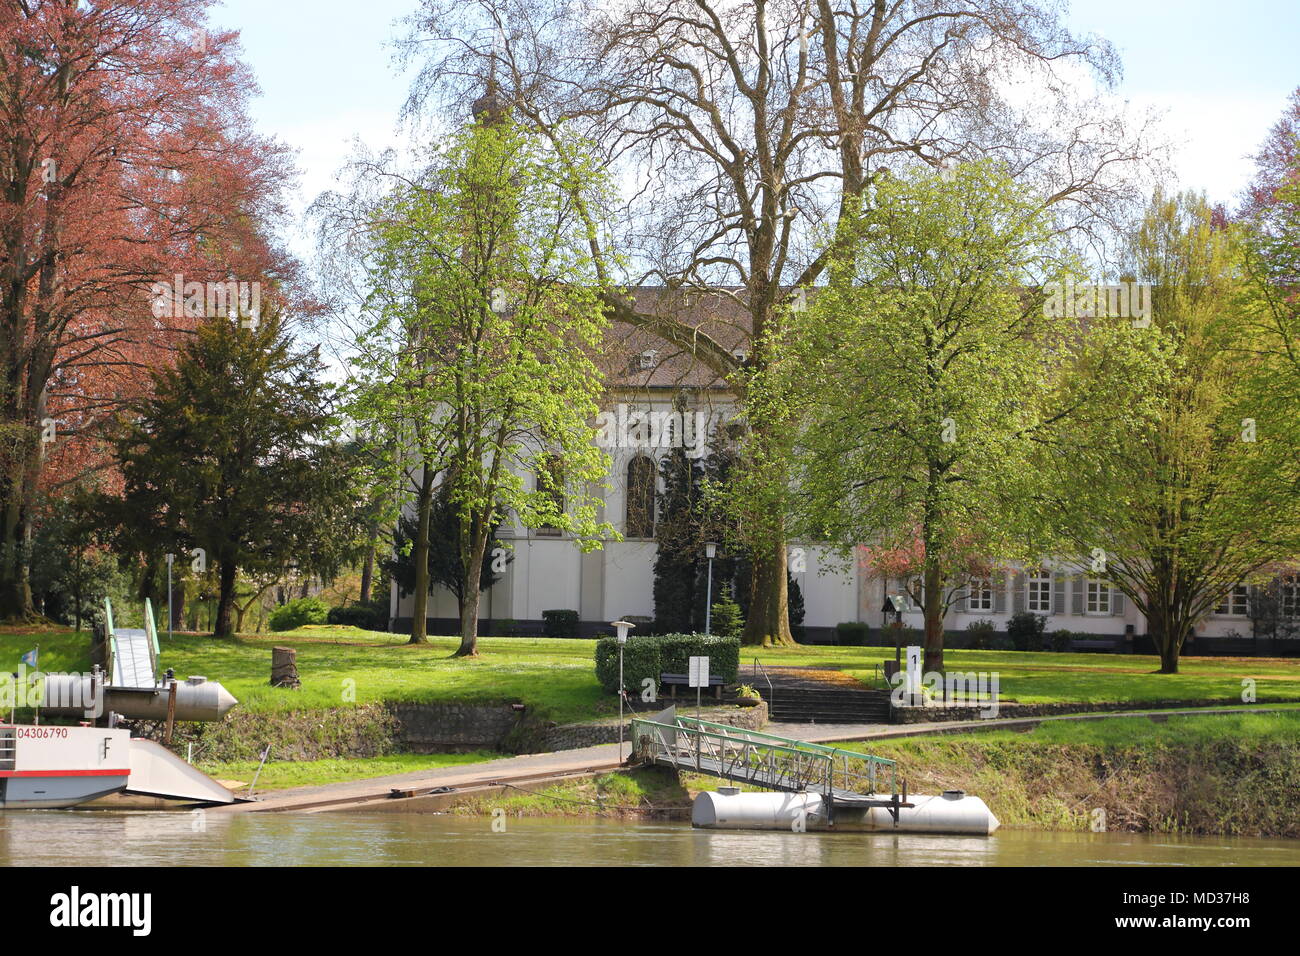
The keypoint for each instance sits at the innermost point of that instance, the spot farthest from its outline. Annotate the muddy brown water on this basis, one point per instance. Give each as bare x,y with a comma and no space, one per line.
111,838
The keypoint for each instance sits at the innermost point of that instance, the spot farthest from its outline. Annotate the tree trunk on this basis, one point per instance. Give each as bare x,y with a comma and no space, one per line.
933,660
15,588
420,554
769,610
225,600
368,570
470,594
178,605
1169,658
468,624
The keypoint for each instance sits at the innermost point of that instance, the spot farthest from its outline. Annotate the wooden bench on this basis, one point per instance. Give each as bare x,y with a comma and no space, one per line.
673,681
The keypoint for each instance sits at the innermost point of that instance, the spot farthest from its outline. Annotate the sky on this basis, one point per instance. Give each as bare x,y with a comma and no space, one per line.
1221,74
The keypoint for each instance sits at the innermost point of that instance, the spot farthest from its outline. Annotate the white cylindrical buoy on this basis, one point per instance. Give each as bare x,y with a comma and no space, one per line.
758,811
950,812
73,695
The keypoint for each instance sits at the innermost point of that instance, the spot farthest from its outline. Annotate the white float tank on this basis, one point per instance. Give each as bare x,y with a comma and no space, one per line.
729,809
197,698
950,812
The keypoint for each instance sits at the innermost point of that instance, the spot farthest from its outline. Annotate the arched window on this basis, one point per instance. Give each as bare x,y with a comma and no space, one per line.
639,518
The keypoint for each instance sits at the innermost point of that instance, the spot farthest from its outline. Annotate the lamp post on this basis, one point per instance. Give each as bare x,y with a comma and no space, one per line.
710,549
170,559
622,627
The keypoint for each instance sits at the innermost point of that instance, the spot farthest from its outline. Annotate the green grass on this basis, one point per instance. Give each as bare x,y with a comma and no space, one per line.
1195,729
283,774
1233,774
556,677
341,664
1048,677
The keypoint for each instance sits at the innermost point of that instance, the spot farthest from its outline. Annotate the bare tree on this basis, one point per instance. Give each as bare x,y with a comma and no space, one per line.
742,131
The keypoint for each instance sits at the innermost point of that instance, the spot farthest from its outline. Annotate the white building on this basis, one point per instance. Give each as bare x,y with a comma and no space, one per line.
645,375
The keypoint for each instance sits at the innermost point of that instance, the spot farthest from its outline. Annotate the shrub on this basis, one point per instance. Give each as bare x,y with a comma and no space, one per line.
1061,639
796,611
640,661
560,623
852,633
1001,642
725,619
367,617
649,656
308,610
1026,631
981,634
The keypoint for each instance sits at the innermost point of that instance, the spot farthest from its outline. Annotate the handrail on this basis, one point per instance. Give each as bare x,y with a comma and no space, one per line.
820,748
110,640
151,633
771,692
757,751
731,737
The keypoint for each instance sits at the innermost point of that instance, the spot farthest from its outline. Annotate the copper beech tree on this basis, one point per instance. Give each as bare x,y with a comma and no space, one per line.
125,160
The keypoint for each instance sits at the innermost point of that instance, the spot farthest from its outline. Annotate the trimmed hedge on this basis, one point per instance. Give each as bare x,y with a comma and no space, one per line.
560,623
853,633
367,617
649,656
1026,631
308,610
1060,639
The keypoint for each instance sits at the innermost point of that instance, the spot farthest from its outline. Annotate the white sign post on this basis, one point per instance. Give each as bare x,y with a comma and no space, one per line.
699,679
913,682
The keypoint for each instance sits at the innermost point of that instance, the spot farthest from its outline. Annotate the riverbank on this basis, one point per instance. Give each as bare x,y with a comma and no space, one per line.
555,677
1228,775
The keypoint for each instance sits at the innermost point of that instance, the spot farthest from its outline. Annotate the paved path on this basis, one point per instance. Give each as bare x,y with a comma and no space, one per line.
604,757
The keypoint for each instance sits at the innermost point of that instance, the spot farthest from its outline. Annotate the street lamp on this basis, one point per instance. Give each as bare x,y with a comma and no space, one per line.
622,627
170,559
710,549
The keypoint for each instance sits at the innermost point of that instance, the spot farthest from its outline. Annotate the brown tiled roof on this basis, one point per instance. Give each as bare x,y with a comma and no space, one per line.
717,314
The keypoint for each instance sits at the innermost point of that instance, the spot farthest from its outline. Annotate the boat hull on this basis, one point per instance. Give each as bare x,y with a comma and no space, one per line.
52,767
56,793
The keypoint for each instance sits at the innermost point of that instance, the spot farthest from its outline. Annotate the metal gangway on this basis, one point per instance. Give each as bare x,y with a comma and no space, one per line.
844,778
132,652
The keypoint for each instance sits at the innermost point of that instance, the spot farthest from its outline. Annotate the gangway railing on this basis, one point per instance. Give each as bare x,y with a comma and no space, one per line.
771,691
768,760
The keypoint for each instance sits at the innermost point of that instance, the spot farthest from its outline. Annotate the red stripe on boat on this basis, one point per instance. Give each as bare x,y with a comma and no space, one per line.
65,773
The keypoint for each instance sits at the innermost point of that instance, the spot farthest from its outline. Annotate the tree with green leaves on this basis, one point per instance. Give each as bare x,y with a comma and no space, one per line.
678,544
485,312
444,568
920,383
1201,497
232,459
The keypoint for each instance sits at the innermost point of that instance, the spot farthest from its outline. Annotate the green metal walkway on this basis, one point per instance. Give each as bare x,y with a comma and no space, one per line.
844,778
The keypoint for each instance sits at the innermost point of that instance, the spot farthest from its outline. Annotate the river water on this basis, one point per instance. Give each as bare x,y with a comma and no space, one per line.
98,838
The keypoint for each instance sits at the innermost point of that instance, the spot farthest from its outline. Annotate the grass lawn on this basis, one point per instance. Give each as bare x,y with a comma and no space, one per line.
283,774
1116,732
557,677
1049,677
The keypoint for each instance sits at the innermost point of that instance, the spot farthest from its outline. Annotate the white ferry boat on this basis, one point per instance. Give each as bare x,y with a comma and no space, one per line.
56,767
